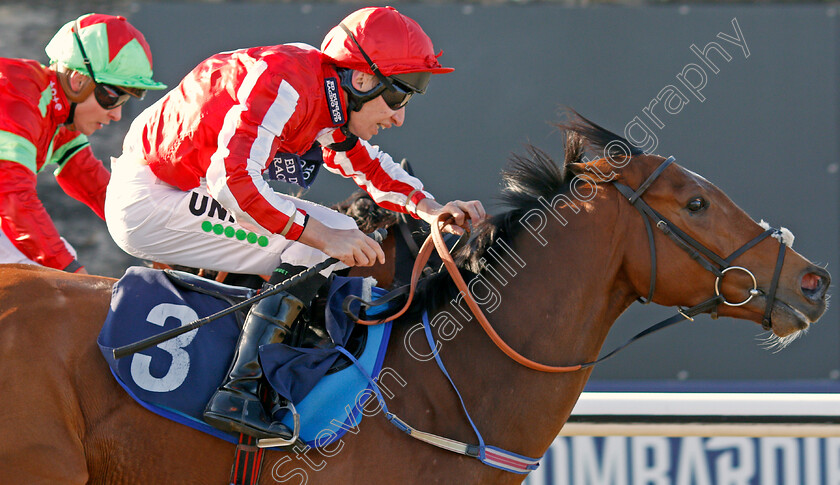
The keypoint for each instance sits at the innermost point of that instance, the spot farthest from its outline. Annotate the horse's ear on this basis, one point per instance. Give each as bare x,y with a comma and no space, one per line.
601,170
574,148
406,166
598,171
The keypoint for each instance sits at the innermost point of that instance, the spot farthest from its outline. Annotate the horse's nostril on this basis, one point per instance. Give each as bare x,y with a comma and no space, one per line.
810,282
813,286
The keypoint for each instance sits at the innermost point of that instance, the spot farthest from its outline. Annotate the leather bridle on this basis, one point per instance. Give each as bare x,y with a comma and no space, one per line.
705,257
698,252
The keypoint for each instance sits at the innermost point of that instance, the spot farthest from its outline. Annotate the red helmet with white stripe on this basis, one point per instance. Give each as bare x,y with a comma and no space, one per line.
394,42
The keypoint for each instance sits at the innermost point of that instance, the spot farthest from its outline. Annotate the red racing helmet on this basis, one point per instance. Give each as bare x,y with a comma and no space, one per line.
394,42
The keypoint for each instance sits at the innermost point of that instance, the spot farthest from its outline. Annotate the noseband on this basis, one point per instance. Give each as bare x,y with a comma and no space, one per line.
704,256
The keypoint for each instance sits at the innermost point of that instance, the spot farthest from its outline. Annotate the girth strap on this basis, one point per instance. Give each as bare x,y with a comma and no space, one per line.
247,462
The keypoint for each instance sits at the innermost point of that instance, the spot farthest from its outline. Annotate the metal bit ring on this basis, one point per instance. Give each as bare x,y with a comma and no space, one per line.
754,291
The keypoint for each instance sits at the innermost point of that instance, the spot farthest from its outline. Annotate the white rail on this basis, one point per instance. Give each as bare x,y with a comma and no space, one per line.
705,414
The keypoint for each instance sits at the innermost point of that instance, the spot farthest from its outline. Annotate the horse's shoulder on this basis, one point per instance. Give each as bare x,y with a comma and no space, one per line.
38,282
49,309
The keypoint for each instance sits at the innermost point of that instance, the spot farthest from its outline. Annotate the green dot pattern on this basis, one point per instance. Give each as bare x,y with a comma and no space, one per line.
231,232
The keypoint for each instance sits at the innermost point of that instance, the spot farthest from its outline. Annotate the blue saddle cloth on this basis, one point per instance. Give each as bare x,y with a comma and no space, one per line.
175,379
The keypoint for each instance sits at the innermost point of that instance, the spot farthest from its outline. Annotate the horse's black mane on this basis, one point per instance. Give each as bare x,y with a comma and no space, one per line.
525,180
367,214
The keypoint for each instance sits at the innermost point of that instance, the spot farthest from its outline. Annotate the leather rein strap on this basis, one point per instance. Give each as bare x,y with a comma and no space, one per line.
705,257
435,241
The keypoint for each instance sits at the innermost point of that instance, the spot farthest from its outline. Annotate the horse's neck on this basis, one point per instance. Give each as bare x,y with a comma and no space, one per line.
554,304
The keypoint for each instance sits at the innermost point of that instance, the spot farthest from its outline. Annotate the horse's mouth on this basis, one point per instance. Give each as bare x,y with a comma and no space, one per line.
786,319
796,304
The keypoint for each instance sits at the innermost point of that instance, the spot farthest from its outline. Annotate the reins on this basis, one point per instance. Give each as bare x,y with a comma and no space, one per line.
455,274
435,241
704,256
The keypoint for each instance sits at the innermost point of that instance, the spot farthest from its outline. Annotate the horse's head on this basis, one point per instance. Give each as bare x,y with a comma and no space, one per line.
704,244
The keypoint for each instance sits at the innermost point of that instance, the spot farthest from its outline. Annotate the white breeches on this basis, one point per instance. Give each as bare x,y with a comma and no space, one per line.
152,220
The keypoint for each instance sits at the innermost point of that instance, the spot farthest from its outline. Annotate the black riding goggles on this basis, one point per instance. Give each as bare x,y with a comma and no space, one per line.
396,93
108,96
397,89
401,88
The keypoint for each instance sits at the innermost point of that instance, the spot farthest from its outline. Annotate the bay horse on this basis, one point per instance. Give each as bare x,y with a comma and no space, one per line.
552,275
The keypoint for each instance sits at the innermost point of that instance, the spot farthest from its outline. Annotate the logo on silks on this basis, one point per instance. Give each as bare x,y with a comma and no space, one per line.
334,101
295,169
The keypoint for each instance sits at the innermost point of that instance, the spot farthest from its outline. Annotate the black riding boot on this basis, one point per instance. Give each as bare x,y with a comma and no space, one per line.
236,406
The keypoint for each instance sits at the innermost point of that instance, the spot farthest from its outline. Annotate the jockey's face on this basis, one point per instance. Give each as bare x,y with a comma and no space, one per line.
375,114
89,116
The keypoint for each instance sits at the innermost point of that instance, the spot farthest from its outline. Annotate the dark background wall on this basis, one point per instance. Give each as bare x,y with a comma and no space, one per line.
766,131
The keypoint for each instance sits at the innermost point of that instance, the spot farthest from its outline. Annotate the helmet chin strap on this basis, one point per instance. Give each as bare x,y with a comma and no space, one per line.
69,122
355,97
355,100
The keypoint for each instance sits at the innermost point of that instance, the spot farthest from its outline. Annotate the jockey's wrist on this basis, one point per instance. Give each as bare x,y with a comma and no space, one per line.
74,267
294,226
419,201
314,234
427,208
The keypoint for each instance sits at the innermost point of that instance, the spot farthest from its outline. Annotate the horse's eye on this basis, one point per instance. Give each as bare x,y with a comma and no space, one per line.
697,204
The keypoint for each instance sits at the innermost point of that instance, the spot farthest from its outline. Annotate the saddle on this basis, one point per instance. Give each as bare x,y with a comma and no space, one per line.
177,378
309,331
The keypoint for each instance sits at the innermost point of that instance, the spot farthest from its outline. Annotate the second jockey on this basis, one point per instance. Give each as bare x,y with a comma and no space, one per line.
97,63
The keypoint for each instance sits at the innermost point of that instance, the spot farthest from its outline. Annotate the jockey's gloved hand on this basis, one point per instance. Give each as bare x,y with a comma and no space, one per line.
306,290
